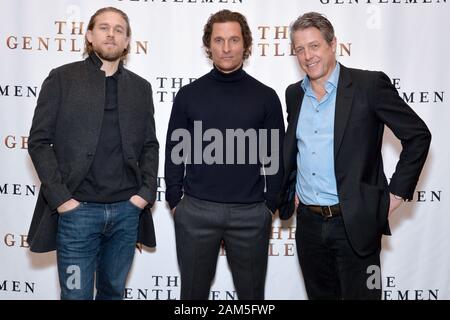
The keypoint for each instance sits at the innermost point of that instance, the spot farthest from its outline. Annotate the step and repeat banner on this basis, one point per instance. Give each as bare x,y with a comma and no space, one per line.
407,39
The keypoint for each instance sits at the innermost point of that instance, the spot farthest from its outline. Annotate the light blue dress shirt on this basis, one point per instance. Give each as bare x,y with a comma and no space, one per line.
316,181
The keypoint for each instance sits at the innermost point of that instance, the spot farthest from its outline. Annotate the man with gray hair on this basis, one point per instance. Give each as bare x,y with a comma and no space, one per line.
334,176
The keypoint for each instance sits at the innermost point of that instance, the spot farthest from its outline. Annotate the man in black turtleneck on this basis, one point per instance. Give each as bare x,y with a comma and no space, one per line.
222,166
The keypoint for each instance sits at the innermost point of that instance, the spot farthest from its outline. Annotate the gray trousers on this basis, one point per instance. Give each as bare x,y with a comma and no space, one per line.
200,227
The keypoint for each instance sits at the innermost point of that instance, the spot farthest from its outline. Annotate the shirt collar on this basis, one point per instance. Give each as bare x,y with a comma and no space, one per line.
98,63
331,83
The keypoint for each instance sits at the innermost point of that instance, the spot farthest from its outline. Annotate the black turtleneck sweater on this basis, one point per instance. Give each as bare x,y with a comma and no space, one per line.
223,101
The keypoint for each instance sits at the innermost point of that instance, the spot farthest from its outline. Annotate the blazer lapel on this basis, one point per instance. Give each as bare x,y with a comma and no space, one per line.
127,115
95,88
295,104
344,100
298,105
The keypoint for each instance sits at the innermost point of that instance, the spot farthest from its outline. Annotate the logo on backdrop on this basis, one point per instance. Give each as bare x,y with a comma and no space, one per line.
427,196
373,2
282,242
185,1
161,189
274,41
167,87
391,292
425,95
13,90
12,240
17,189
22,287
68,36
15,142
167,287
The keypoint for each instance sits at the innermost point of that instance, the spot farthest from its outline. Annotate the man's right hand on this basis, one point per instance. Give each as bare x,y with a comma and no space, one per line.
67,206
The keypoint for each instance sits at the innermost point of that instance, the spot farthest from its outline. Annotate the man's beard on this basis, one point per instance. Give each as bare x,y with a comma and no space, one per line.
111,56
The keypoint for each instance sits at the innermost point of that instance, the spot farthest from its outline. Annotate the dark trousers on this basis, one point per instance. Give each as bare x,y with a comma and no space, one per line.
331,268
96,239
200,227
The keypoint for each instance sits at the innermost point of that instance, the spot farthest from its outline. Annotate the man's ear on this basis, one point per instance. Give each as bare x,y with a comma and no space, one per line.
333,44
89,36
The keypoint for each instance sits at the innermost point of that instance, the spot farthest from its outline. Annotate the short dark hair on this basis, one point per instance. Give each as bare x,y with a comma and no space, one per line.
316,20
227,16
88,49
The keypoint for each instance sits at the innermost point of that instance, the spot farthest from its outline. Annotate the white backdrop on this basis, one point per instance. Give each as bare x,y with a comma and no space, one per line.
404,38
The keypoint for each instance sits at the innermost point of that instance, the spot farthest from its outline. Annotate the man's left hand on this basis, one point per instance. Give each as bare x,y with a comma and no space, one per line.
394,203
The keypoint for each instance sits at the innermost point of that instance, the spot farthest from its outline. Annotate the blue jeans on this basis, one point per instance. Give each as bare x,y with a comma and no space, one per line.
100,239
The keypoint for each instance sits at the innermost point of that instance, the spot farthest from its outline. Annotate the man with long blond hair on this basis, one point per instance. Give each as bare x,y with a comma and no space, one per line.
94,147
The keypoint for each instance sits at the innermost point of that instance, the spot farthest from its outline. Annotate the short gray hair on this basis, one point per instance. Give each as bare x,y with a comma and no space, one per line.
316,20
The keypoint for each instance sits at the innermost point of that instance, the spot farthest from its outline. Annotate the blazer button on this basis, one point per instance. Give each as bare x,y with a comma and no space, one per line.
89,155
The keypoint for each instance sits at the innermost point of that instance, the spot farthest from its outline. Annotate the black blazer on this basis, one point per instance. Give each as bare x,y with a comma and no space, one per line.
64,135
365,102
